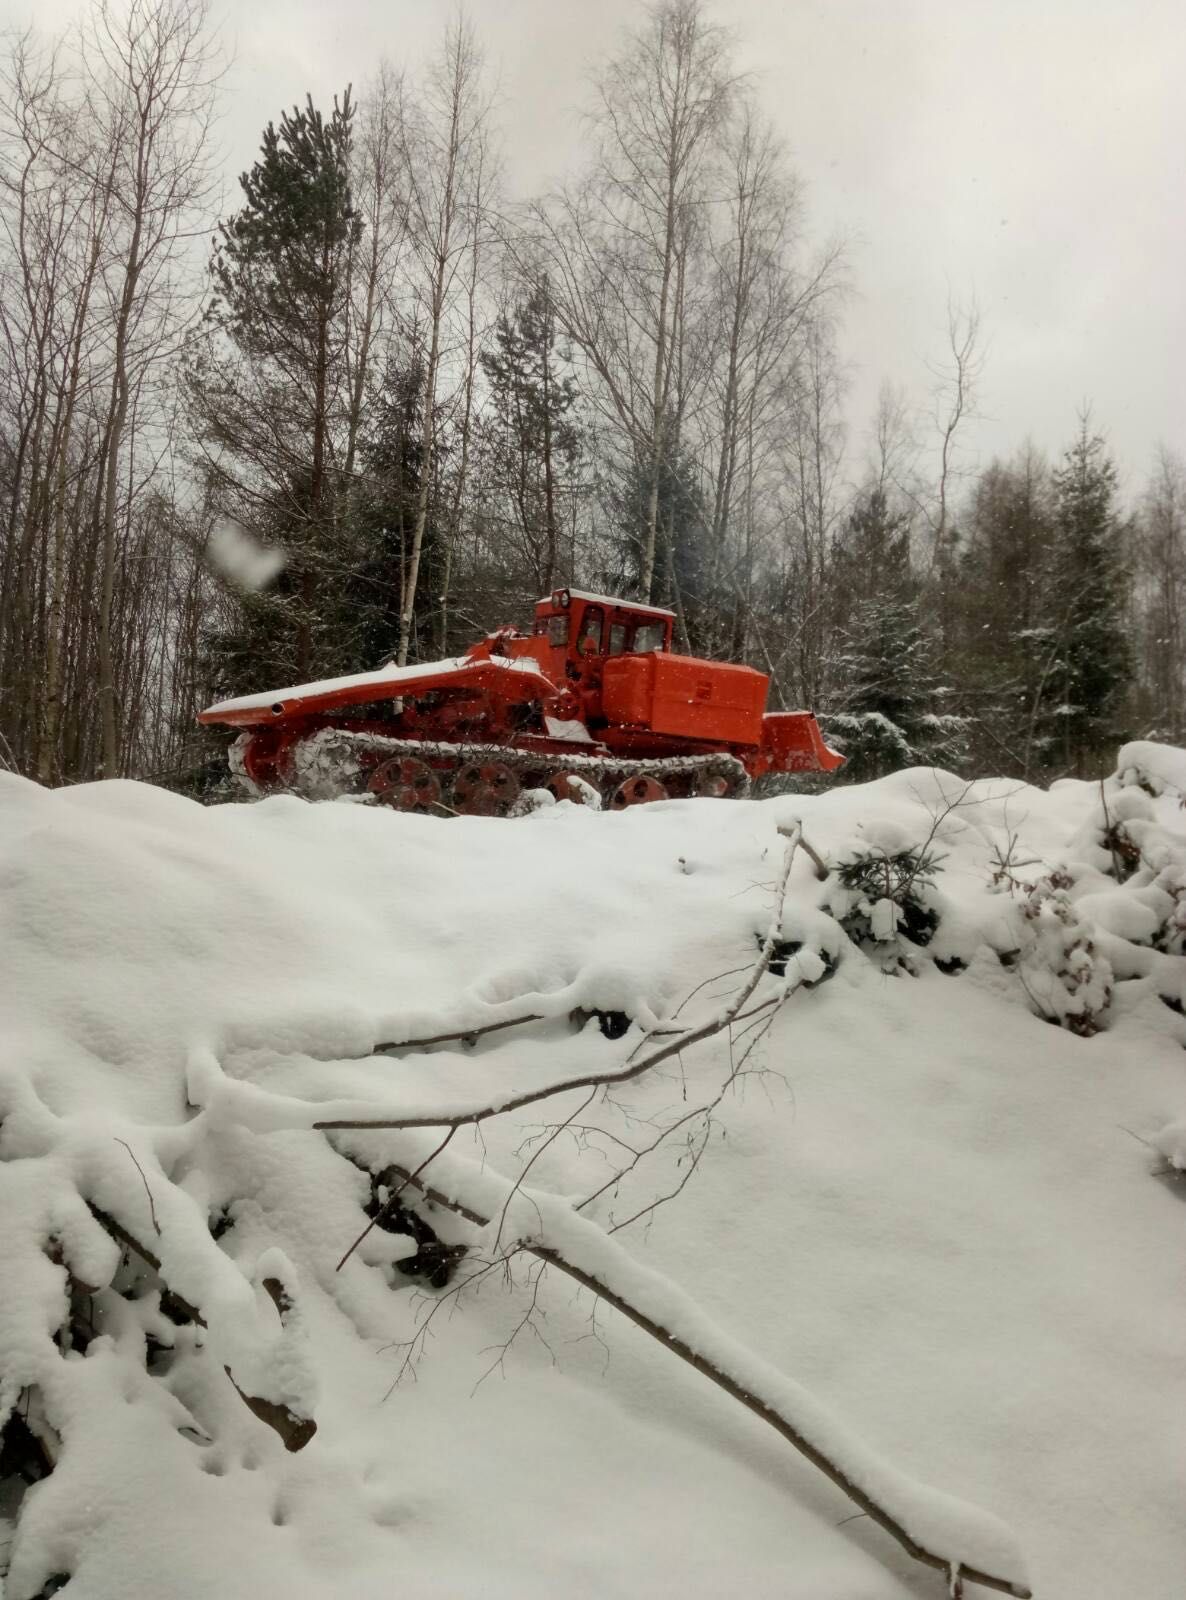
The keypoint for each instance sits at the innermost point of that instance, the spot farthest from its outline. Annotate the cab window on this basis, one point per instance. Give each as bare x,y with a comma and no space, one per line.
617,638
648,636
589,643
558,629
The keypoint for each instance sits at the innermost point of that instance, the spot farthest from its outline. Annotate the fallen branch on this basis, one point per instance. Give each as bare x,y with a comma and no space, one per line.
466,1035
813,855
633,1067
294,1431
758,1391
391,1202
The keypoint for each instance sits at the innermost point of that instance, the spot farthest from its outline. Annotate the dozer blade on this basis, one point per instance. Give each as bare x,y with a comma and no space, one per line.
792,742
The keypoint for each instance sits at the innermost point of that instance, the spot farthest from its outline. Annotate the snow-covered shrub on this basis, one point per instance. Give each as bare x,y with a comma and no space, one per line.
1068,979
1171,936
1111,838
884,898
808,951
1156,768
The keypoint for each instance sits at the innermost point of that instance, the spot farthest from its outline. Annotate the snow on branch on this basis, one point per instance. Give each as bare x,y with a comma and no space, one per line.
933,1527
293,1429
224,1098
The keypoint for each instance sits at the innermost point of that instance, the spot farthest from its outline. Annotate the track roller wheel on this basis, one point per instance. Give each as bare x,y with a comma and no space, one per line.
263,758
637,792
569,786
485,789
712,785
405,783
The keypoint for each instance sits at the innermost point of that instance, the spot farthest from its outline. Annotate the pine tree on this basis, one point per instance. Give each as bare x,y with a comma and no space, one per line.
1088,605
269,387
891,715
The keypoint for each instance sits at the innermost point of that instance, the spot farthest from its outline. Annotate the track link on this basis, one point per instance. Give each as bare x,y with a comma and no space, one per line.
337,761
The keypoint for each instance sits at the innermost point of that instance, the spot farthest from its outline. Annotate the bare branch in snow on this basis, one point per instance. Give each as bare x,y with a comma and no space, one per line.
389,1205
760,1389
466,1035
295,1431
634,1066
156,1227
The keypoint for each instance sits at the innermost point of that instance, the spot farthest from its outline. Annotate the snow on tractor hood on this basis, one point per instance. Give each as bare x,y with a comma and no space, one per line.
358,687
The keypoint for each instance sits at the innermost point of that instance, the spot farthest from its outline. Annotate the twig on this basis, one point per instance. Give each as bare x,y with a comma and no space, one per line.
534,1157
390,1203
526,1321
737,1070
451,1294
1110,837
151,1207
463,1033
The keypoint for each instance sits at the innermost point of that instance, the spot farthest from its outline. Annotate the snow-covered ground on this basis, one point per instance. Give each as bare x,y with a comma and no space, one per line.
956,1225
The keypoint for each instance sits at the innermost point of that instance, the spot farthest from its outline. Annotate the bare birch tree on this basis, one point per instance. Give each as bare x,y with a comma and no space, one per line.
446,156
954,396
152,73
616,243
1163,587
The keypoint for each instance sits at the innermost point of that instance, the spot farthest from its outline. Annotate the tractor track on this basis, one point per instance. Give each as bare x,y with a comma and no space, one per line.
338,761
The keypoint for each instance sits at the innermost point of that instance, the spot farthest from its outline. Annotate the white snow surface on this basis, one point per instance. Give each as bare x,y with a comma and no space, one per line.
1158,767
926,1210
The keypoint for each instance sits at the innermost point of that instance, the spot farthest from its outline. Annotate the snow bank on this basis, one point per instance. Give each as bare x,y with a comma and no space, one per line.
919,1208
1157,767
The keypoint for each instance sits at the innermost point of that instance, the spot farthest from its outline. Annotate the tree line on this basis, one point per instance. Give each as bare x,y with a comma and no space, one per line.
395,403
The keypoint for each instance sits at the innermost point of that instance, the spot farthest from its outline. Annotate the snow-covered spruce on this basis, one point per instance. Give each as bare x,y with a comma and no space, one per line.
1065,975
885,898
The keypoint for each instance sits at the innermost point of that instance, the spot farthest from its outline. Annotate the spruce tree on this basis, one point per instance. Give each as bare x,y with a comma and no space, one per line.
1088,606
1002,635
891,715
381,516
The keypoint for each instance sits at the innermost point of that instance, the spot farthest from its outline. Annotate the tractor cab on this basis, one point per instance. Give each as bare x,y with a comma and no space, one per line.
615,657
583,631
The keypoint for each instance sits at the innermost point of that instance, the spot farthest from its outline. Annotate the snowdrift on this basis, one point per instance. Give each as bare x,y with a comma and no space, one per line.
905,1166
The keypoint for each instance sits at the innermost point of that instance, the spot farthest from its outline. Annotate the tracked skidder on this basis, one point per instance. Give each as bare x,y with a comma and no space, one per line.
592,705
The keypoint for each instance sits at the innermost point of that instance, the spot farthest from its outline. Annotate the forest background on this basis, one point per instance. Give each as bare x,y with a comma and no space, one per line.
379,402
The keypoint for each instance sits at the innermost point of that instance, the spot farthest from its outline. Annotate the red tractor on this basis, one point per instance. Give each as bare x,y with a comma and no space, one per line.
592,705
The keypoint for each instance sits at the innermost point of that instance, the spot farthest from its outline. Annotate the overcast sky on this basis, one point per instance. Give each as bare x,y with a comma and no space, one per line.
1029,152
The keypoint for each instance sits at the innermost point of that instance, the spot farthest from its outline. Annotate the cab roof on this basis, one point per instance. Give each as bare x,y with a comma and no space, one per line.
605,600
